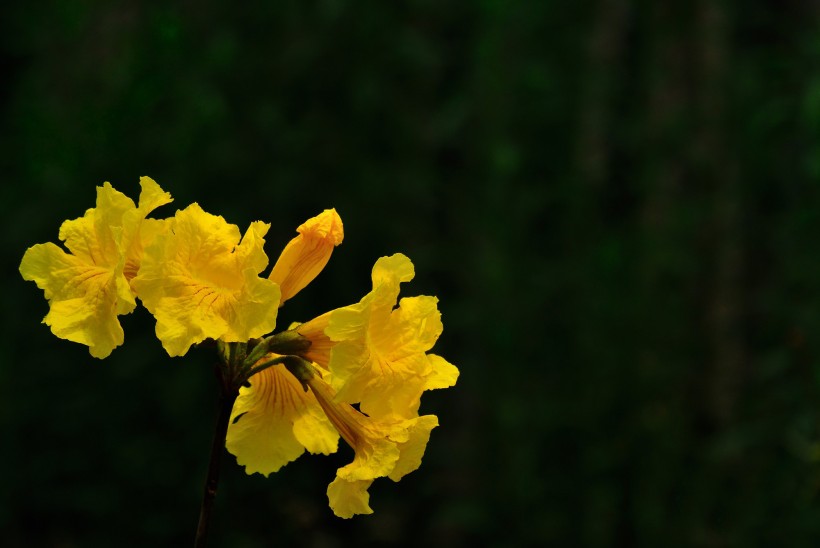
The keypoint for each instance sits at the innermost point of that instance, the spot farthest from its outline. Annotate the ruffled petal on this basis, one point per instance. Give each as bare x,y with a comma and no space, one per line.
274,421
152,196
383,386
137,231
254,312
444,373
414,327
349,498
389,272
95,237
250,252
412,442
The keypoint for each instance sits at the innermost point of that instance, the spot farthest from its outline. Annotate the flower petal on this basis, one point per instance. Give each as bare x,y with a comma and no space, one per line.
277,421
138,231
95,237
444,374
348,498
412,443
152,196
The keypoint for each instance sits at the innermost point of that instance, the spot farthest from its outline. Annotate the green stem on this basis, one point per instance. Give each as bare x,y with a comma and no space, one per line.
227,397
286,342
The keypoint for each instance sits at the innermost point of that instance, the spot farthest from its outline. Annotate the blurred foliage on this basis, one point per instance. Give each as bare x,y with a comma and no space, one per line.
616,203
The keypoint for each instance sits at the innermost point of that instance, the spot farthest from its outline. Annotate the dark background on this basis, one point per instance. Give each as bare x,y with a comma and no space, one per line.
617,204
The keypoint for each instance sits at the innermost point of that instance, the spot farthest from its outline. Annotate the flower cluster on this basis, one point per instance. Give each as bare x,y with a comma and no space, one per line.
357,372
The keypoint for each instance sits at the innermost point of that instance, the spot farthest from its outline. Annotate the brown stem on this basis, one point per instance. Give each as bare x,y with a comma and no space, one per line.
228,395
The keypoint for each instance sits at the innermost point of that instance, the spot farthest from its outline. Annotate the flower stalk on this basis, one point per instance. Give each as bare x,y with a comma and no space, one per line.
227,396
234,370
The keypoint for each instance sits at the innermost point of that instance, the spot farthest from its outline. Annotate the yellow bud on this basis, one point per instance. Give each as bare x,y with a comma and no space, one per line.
308,253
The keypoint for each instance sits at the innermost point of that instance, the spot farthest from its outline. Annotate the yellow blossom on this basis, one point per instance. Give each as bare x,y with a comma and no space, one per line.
308,253
383,448
377,355
89,287
200,282
274,420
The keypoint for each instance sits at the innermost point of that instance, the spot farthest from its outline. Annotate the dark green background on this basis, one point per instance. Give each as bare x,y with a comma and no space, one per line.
617,204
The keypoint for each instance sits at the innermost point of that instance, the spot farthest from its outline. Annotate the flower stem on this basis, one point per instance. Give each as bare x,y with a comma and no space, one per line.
227,397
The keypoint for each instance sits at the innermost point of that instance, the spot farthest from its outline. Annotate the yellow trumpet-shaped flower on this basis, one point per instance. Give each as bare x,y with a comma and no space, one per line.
89,287
274,420
377,355
200,282
308,253
383,448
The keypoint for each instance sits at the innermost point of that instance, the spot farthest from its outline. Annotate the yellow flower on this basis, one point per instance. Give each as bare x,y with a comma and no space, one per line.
274,420
308,253
383,448
377,355
200,282
89,287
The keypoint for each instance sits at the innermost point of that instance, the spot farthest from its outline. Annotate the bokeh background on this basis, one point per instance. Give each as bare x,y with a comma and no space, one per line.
616,202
